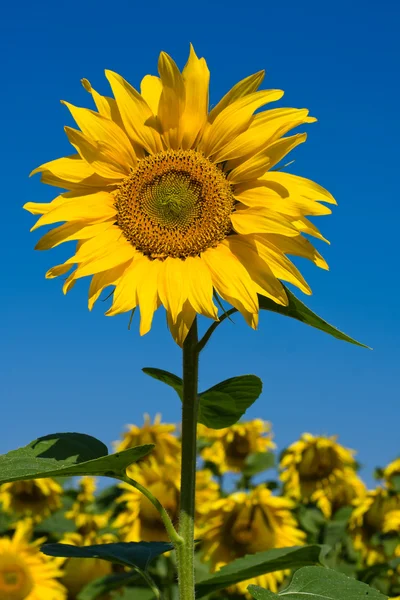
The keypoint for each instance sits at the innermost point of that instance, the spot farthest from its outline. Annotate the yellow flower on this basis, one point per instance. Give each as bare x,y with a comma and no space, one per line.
78,572
230,447
391,470
170,202
320,471
36,498
376,513
160,434
82,513
25,573
246,523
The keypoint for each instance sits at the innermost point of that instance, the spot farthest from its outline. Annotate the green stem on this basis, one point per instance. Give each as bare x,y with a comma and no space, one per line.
185,551
172,533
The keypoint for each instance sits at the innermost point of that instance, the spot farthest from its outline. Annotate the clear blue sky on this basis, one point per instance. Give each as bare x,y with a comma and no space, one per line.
63,368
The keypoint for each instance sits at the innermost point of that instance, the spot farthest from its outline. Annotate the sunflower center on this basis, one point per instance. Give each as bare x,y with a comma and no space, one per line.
174,204
15,581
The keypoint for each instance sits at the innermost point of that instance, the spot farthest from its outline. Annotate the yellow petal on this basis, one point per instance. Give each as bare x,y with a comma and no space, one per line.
299,246
100,158
172,100
136,114
230,278
74,230
41,208
300,186
250,169
172,286
69,282
265,128
102,280
199,287
150,89
196,77
234,119
105,132
97,246
258,269
118,253
92,207
147,293
244,87
282,147
180,328
261,220
70,168
305,226
125,296
106,106
58,270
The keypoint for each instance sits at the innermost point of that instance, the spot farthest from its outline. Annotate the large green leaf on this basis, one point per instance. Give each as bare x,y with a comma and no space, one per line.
253,565
129,554
223,404
67,454
319,583
297,310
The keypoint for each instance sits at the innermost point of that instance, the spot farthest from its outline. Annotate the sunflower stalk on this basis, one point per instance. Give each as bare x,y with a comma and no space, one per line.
190,404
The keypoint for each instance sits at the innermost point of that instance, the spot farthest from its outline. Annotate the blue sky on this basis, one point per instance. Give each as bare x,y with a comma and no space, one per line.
65,369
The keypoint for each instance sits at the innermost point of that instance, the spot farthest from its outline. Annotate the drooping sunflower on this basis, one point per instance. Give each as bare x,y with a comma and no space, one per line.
229,447
87,518
171,202
157,433
35,498
390,471
25,573
246,523
79,572
318,470
375,514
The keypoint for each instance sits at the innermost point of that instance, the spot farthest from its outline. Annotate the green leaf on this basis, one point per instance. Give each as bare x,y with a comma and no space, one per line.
311,519
56,524
297,310
103,585
395,481
223,404
129,554
253,565
258,463
319,583
66,454
368,574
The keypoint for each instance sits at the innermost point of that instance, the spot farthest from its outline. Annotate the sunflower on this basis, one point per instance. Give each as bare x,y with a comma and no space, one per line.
390,471
79,572
25,573
377,513
246,523
171,203
228,448
320,471
160,434
83,513
36,498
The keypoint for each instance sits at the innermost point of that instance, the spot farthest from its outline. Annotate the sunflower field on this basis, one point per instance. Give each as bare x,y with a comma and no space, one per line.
250,500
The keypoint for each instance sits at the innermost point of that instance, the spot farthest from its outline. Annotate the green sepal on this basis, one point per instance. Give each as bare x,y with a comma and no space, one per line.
297,310
67,454
319,583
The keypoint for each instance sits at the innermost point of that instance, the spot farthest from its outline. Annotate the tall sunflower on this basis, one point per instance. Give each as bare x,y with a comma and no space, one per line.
246,523
167,445
171,202
35,498
316,469
83,511
228,448
25,573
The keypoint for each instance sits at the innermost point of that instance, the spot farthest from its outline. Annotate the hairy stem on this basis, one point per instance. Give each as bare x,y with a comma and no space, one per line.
185,550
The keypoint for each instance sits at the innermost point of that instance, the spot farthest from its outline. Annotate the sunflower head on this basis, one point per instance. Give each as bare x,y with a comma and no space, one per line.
228,448
391,471
378,512
171,203
77,573
246,523
36,498
167,445
316,469
84,513
25,573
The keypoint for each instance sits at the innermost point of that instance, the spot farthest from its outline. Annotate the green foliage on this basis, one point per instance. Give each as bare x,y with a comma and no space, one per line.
258,463
319,583
253,565
103,585
297,310
128,554
221,405
67,454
